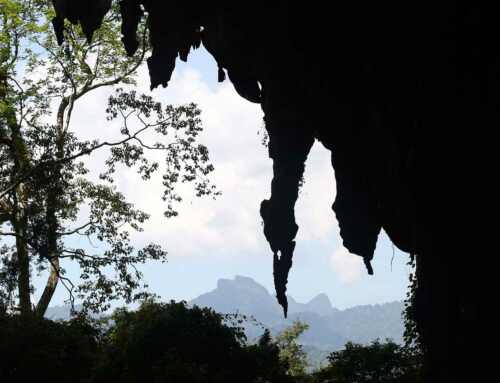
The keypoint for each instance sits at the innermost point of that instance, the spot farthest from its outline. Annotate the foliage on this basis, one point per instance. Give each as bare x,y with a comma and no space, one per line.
48,197
263,358
48,351
157,342
378,363
411,334
163,342
172,342
171,339
291,351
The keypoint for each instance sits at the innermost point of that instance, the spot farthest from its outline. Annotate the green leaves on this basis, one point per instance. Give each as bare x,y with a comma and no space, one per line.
290,350
177,128
48,197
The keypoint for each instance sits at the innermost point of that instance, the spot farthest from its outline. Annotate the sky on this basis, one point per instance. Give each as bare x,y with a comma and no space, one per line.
222,238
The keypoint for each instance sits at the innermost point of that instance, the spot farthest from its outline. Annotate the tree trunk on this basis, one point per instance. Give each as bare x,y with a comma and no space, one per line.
50,288
52,248
53,195
23,264
18,218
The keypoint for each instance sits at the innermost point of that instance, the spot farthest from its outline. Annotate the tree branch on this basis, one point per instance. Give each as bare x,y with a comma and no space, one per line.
11,234
81,255
6,141
84,152
120,78
77,230
61,64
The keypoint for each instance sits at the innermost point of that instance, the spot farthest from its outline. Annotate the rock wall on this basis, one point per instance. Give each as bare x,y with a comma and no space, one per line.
383,85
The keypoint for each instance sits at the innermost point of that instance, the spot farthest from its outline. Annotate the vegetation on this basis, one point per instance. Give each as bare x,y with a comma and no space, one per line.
291,351
164,342
156,343
378,362
411,334
47,194
47,351
171,342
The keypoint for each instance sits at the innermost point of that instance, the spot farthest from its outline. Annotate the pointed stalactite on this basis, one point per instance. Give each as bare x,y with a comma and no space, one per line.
280,236
131,13
221,76
368,265
89,14
58,25
161,65
184,52
278,212
281,268
93,15
246,86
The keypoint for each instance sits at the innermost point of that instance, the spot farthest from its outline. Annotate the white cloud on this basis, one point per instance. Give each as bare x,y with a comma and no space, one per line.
348,267
313,209
231,224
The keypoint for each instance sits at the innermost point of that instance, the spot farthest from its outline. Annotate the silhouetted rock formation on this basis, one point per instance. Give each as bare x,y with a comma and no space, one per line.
369,80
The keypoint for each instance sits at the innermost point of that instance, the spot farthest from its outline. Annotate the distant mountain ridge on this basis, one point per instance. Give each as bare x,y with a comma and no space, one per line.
330,328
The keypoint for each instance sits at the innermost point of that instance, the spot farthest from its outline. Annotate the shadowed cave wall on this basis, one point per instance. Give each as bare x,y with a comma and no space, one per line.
380,84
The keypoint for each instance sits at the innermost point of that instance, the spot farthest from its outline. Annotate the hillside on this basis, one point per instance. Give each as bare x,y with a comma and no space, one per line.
330,328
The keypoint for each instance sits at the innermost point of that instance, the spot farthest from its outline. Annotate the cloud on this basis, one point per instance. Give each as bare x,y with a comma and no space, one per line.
314,215
231,225
348,267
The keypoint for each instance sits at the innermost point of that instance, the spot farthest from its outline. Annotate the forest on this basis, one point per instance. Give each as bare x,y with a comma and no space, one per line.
165,342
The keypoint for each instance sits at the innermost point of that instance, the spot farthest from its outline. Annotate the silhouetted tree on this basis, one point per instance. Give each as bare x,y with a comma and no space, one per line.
174,343
47,195
377,363
266,362
38,349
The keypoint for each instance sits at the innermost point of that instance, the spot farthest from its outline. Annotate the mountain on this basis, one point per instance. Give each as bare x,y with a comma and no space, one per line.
330,328
320,304
242,295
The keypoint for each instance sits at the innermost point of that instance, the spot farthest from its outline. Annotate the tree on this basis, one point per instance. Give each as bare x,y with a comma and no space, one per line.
175,343
158,342
291,351
45,186
38,349
266,362
378,363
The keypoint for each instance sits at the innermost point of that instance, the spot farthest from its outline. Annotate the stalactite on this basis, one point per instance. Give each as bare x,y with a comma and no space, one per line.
367,82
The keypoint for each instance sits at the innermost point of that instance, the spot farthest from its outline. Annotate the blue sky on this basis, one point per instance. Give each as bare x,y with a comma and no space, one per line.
223,238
